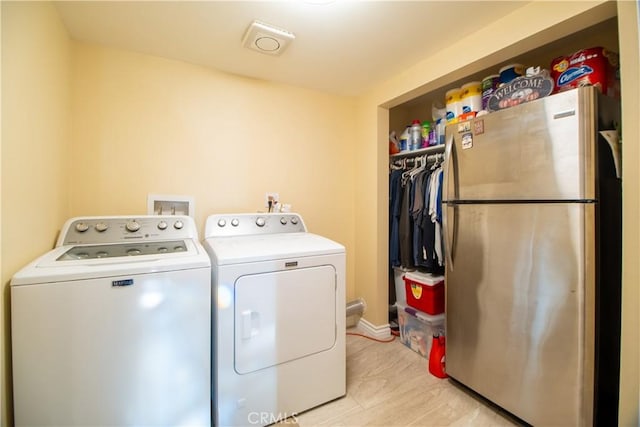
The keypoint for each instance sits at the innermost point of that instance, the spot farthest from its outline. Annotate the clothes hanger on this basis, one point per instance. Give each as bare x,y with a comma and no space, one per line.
436,163
408,173
421,167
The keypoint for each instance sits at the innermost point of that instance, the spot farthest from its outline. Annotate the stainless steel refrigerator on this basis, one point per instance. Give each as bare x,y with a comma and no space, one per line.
532,229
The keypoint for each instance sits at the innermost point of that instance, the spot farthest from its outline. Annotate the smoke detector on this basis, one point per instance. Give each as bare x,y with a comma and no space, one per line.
266,38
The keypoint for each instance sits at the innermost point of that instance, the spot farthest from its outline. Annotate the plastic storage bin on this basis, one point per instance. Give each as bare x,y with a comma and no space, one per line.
417,329
425,292
398,279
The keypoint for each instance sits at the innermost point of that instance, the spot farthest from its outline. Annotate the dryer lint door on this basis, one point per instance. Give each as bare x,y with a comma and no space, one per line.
283,315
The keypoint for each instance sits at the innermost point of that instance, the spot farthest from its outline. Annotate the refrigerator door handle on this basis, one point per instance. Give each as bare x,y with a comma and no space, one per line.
448,227
448,151
448,231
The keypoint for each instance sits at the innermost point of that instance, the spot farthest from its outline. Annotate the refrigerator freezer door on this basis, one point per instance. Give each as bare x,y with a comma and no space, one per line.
541,150
519,307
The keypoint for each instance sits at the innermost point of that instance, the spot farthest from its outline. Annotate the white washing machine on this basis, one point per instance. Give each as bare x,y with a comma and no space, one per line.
112,327
279,318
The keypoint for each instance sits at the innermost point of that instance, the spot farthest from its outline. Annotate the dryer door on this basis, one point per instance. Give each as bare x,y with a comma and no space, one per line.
283,315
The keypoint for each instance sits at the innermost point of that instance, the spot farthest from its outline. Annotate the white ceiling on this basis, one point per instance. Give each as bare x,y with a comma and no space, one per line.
342,47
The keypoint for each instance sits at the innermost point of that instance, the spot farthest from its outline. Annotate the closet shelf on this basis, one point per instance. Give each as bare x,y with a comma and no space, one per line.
420,152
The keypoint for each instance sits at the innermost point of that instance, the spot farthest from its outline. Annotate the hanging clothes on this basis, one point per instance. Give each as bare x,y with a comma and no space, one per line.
429,231
415,214
406,228
395,197
418,217
435,213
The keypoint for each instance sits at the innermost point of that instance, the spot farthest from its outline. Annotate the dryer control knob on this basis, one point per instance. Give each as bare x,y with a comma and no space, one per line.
235,222
260,222
178,225
294,220
101,227
162,225
283,221
132,226
222,222
81,227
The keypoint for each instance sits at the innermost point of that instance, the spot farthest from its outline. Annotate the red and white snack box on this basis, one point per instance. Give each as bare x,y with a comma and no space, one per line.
595,66
425,292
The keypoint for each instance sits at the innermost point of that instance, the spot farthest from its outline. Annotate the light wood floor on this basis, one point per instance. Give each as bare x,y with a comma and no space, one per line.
390,385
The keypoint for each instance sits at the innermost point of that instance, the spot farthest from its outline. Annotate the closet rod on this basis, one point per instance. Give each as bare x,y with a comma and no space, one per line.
420,152
411,161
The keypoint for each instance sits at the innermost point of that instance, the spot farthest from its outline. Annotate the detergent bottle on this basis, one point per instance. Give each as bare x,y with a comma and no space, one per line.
426,130
436,357
404,140
415,135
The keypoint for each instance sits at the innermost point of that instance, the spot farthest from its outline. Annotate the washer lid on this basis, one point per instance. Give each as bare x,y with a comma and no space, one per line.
242,249
78,262
123,250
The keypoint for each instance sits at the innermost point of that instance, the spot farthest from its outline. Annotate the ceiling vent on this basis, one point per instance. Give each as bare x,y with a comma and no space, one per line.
266,39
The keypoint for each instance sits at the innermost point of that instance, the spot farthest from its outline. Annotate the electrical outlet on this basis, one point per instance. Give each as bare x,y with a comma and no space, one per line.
271,197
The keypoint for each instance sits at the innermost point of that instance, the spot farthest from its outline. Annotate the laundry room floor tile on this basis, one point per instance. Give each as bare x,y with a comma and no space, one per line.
389,385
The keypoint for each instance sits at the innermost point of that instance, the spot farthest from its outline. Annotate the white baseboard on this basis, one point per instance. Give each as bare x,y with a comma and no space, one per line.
368,328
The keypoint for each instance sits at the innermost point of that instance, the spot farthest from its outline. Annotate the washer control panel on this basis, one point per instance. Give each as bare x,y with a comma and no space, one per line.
115,229
250,224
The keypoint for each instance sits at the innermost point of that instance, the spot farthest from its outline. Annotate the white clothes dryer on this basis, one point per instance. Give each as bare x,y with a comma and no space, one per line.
112,327
278,318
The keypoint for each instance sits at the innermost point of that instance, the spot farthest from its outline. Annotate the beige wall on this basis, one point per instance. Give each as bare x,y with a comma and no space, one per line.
629,24
35,145
4,366
527,28
144,124
148,125
4,369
